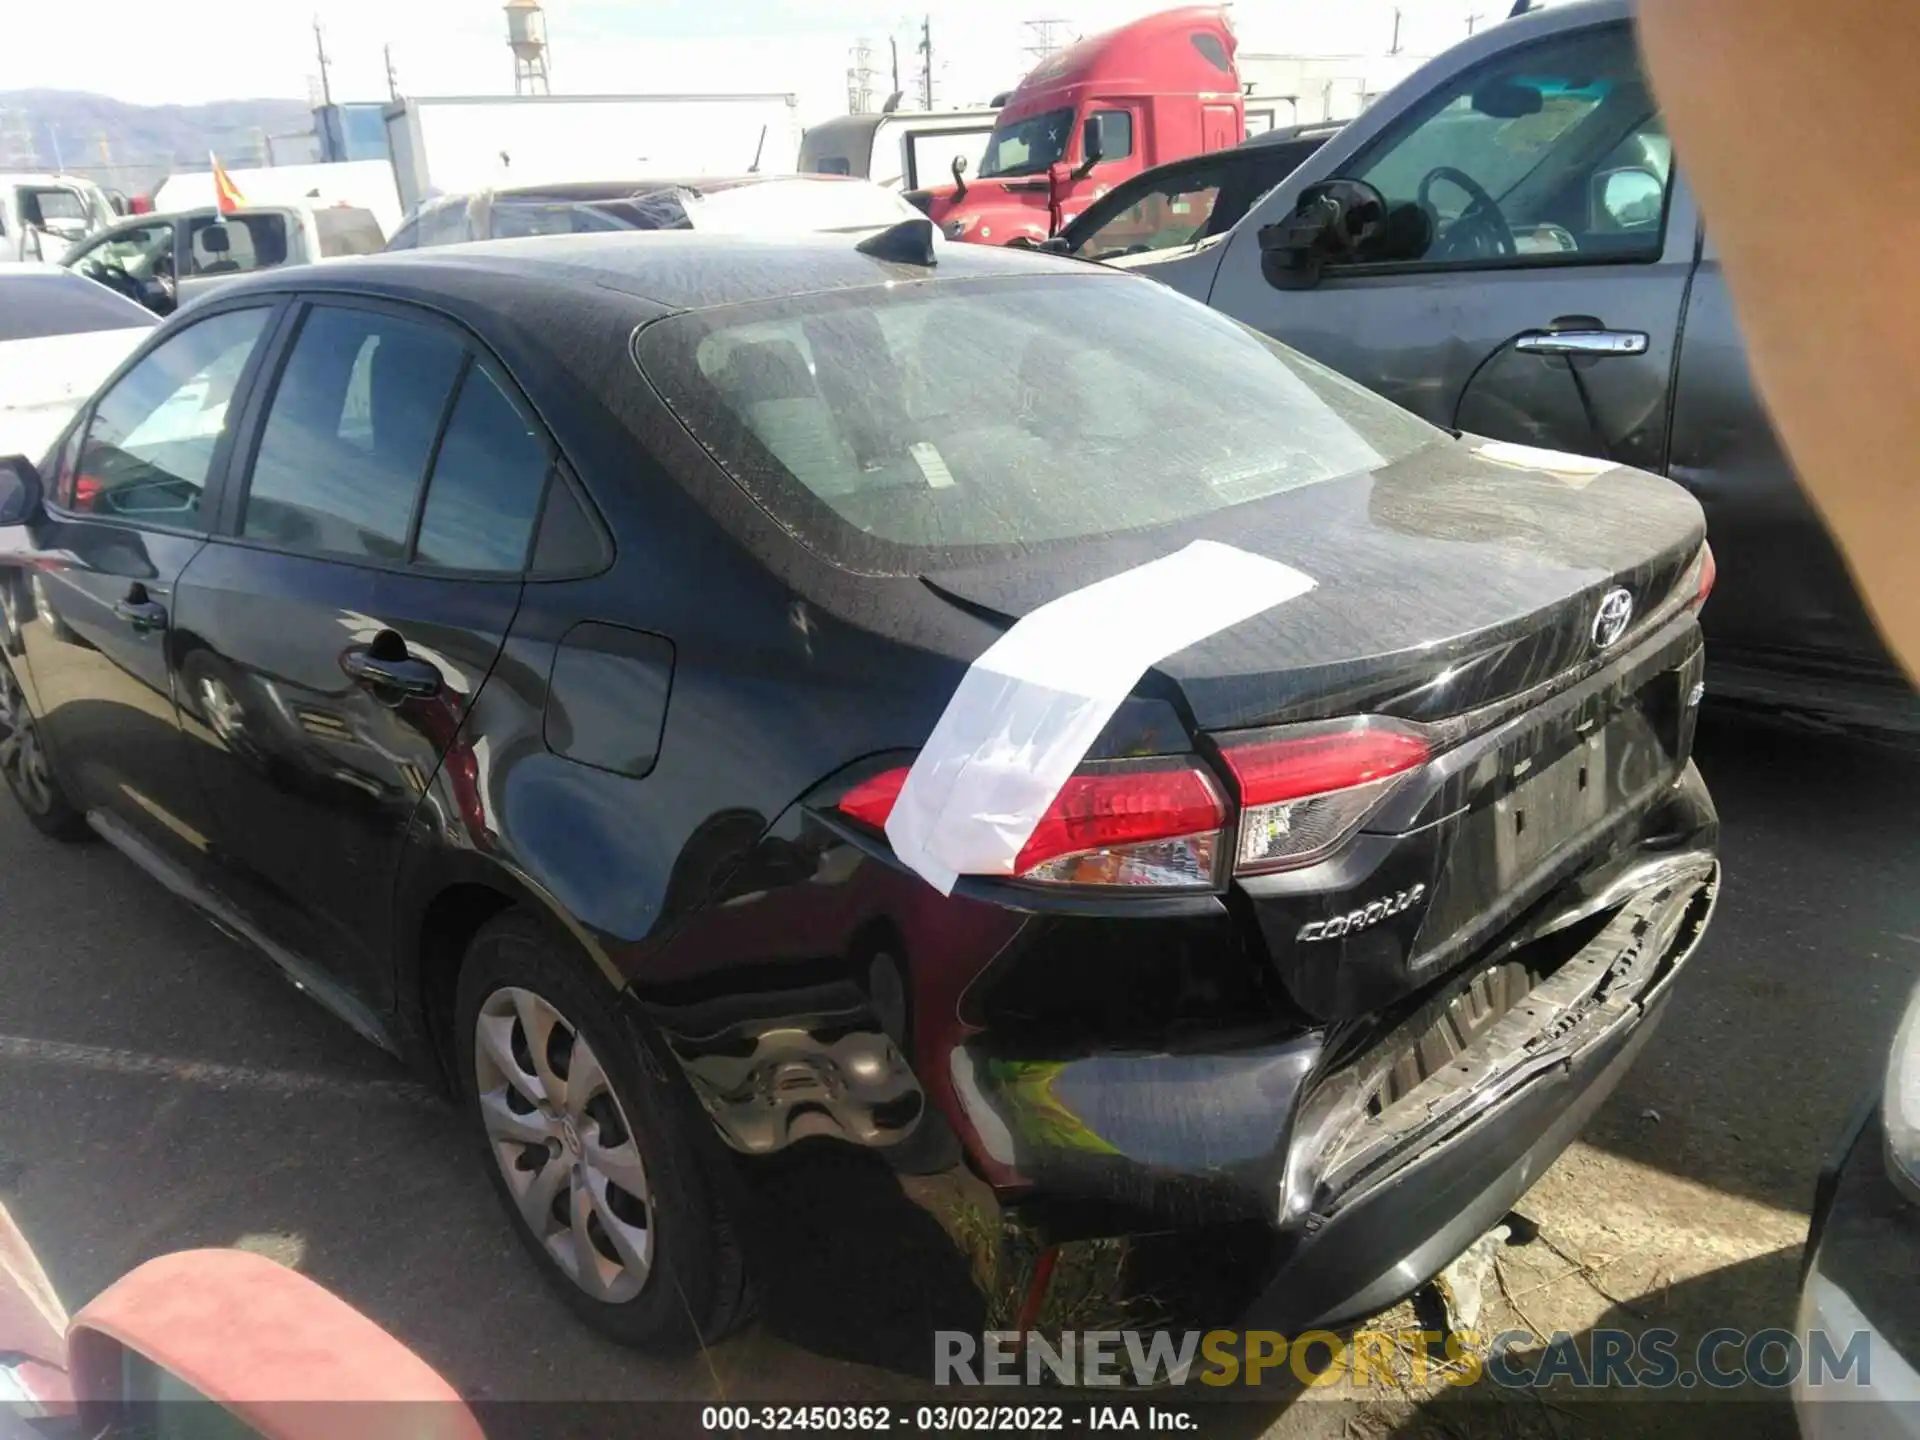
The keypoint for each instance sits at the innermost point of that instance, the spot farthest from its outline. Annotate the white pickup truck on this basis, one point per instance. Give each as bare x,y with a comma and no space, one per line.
42,215
164,261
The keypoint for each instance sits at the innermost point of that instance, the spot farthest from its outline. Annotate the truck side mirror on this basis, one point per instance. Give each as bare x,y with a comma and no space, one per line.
1329,224
959,168
1092,146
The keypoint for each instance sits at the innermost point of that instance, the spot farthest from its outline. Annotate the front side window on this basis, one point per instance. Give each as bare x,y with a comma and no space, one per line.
1173,211
887,428
348,434
1510,164
1029,146
152,438
1116,134
488,477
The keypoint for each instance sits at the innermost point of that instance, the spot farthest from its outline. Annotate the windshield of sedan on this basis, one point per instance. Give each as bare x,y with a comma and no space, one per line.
879,424
1029,146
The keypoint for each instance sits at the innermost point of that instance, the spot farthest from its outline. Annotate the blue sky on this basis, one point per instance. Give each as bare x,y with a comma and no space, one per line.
265,47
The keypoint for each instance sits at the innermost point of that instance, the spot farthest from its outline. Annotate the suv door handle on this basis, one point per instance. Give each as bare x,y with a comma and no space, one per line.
395,673
1583,342
141,611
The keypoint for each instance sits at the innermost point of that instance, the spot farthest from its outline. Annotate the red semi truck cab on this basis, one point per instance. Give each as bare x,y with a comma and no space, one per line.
1097,113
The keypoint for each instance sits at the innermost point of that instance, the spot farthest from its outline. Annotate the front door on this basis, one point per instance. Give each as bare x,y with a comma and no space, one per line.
1532,284
125,515
343,619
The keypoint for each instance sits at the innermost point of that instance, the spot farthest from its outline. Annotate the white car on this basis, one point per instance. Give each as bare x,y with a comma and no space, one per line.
60,336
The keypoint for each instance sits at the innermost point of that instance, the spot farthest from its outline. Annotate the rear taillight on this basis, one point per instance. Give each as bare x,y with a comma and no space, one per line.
1709,572
1305,789
1156,824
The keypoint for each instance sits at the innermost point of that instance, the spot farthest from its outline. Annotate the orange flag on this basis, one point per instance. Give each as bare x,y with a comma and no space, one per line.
226,195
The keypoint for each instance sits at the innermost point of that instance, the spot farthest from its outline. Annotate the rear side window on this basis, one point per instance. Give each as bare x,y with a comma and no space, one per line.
488,478
348,434
236,244
1214,52
886,427
345,230
33,307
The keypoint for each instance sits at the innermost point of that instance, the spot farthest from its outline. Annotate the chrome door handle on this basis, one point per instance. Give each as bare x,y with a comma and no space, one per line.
401,675
1583,342
140,611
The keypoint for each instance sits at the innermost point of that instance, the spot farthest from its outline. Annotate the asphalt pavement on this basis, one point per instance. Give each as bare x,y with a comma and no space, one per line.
165,1089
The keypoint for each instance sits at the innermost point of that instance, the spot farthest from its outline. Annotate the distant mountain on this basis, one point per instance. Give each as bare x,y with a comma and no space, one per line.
131,147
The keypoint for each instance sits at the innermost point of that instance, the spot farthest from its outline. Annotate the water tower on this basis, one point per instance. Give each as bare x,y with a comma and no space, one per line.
527,38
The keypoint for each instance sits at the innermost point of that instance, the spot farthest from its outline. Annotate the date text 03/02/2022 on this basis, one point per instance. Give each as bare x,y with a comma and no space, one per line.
922,1419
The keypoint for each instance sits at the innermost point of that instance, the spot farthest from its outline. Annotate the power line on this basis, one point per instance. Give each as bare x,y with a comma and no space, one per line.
926,62
860,76
1049,37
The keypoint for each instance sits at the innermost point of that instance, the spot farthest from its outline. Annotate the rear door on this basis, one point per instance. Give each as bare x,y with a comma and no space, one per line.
1541,198
126,512
363,577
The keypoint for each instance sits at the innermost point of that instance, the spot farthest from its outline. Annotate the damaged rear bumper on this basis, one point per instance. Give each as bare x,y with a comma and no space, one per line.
1377,1151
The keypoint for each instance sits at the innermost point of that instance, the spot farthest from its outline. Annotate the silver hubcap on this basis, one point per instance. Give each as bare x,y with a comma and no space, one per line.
562,1141
22,760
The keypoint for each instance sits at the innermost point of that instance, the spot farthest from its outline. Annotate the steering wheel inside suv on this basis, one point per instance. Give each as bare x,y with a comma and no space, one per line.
1479,232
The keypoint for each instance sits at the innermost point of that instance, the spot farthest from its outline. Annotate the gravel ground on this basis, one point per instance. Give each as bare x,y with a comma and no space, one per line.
166,1090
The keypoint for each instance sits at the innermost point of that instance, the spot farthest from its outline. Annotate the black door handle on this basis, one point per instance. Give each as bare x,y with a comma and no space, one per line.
141,611
389,668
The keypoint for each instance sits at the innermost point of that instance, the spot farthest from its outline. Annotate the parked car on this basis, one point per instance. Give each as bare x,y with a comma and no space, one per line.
60,336
1863,1252
738,204
147,1356
1189,202
526,647
42,215
165,260
1537,271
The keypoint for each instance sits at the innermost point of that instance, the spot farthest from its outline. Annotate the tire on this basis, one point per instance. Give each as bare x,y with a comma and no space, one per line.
666,1271
28,768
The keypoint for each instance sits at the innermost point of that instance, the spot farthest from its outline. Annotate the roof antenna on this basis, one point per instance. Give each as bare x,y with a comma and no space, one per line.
908,243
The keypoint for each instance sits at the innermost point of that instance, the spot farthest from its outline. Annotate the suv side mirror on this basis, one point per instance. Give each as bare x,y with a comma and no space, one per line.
1627,199
20,490
1054,245
1330,223
1093,148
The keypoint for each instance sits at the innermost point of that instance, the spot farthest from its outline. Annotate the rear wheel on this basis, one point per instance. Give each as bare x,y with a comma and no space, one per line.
608,1172
28,771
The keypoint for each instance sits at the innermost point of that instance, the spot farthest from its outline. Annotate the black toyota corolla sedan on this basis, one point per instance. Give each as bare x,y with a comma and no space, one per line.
527,645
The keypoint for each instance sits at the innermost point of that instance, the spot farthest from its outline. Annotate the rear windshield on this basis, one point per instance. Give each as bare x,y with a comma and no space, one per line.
35,306
894,429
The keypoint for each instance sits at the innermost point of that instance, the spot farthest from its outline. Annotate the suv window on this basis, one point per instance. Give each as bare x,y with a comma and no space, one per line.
151,439
348,230
348,434
1510,163
1174,210
234,244
488,477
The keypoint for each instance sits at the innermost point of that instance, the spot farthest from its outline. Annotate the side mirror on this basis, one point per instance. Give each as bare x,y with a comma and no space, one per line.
20,490
1628,199
263,1343
1330,223
1093,147
959,168
1054,245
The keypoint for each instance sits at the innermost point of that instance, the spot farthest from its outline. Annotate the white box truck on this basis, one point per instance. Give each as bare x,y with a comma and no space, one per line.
459,144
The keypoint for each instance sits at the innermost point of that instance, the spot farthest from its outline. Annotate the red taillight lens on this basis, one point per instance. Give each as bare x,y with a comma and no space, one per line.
1709,572
1156,824
1304,791
871,801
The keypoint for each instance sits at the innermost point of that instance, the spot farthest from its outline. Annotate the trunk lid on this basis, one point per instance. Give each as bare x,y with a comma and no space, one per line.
1450,579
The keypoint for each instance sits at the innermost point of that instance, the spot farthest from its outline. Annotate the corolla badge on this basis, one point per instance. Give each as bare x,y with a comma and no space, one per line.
1610,620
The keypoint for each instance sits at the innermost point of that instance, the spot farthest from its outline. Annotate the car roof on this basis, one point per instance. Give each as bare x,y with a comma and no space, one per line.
591,190
670,270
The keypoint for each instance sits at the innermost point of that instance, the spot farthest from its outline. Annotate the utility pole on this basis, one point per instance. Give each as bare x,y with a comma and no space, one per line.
320,49
1047,39
1394,48
393,76
926,62
893,44
53,134
1473,22
860,79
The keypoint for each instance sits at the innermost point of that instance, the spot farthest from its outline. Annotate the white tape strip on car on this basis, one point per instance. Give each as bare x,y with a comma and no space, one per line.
1028,710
